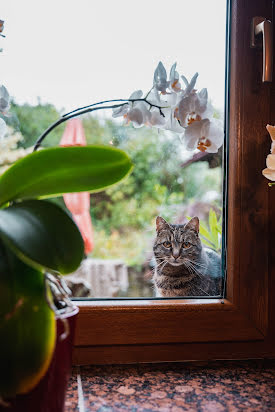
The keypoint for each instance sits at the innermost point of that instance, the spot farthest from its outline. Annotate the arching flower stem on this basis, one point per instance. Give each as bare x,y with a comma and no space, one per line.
96,104
91,108
144,99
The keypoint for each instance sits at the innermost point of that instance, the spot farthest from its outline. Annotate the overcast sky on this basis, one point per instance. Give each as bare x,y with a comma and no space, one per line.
72,53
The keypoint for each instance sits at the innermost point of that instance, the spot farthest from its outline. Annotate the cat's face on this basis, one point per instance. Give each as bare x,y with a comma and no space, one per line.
177,244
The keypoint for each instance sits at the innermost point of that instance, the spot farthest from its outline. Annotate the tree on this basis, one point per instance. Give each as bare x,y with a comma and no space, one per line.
33,120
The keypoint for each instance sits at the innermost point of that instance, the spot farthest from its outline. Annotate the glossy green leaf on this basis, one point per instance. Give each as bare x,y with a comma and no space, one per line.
204,231
210,237
53,171
27,325
42,235
213,224
207,242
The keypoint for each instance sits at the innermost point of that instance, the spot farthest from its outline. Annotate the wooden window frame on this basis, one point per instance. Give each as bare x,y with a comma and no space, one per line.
243,324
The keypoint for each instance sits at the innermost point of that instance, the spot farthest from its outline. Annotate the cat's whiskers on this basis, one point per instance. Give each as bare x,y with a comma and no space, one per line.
188,267
165,263
195,269
162,260
198,264
203,291
193,265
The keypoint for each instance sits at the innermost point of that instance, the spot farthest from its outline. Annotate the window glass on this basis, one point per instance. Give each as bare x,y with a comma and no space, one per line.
58,56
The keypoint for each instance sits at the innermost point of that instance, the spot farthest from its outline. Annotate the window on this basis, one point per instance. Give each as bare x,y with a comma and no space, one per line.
168,179
242,325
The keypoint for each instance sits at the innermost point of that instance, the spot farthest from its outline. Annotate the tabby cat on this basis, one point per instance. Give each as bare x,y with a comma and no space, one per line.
183,266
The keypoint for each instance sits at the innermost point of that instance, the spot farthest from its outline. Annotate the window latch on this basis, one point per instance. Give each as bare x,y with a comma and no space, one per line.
264,26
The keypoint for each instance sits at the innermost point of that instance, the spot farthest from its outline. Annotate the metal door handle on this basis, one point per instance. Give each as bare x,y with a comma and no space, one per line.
264,26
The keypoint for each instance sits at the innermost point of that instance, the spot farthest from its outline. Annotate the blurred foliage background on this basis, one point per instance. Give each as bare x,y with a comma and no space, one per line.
166,181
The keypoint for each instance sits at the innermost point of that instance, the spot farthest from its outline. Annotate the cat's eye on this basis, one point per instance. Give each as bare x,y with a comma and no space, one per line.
186,245
167,244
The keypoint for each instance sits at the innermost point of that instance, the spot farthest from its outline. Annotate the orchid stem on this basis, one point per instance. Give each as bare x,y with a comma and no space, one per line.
69,116
96,104
144,99
271,184
91,108
149,92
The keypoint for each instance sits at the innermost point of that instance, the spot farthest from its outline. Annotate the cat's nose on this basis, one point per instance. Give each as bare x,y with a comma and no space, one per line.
176,254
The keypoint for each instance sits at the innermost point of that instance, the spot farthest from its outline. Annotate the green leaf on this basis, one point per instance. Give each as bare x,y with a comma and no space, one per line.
27,325
42,234
210,237
213,222
53,171
207,242
204,231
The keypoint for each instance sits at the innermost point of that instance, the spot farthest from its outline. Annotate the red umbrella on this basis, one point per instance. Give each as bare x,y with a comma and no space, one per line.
79,203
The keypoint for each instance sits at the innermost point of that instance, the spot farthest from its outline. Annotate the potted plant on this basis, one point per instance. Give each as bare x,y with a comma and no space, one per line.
39,241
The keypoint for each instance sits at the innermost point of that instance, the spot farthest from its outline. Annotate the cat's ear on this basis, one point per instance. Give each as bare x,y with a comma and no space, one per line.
193,224
161,224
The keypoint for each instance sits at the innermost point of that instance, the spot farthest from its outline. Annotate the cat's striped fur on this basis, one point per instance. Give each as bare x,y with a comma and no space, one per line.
183,266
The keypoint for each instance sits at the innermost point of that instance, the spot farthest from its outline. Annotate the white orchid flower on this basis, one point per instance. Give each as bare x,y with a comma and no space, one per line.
185,110
165,103
135,116
195,132
156,119
174,83
159,116
172,99
3,128
271,131
136,95
154,97
139,114
193,107
205,135
124,109
120,111
173,124
201,101
160,79
215,136
189,86
269,172
270,161
4,100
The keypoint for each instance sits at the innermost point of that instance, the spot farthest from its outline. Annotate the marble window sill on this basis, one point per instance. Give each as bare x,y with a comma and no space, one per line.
216,386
